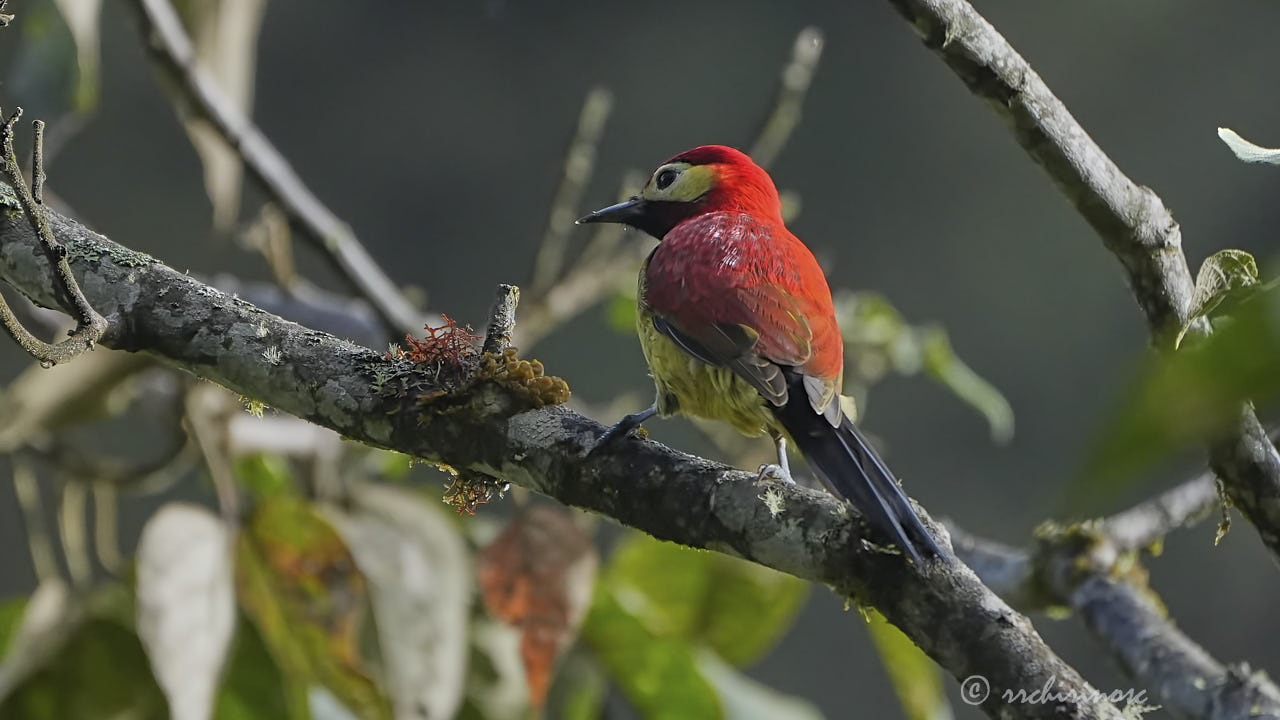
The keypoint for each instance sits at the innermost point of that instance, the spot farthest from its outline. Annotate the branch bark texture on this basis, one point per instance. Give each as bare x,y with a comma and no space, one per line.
494,427
1132,221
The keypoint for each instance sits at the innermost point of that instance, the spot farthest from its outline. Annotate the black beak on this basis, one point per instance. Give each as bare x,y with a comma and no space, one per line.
629,212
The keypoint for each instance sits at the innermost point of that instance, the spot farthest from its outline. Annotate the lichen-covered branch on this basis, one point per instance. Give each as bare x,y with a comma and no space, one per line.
497,424
174,54
1131,219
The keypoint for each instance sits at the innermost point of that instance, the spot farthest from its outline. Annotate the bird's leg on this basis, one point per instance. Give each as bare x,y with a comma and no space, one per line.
623,427
782,471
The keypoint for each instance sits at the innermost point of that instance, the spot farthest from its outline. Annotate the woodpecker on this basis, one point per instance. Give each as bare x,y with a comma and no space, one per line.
737,325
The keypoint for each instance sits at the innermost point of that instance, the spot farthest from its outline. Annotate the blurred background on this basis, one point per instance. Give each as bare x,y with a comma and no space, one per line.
439,132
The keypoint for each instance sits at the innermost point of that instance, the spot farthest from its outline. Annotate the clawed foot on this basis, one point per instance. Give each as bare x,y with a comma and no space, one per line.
774,473
623,428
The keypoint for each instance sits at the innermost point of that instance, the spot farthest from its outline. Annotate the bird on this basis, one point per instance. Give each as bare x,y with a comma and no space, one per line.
737,325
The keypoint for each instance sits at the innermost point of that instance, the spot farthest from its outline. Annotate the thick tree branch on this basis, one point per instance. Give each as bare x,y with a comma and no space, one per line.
495,427
1131,220
173,53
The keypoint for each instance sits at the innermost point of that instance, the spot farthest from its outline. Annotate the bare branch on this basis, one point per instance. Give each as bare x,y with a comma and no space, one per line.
1131,219
578,164
73,531
796,78
172,50
26,487
502,319
90,325
497,427
1146,524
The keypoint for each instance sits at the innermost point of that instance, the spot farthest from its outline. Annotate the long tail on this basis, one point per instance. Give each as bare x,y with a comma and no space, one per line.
851,469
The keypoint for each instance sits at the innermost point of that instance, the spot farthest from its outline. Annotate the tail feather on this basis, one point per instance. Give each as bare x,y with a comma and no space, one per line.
852,470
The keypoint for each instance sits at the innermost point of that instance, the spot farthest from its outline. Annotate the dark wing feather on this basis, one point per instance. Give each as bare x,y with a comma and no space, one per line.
732,346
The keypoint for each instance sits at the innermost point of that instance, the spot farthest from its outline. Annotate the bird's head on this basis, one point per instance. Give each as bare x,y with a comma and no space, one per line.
708,178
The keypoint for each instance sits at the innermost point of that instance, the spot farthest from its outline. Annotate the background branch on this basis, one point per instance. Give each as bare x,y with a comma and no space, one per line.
1091,569
1131,219
172,50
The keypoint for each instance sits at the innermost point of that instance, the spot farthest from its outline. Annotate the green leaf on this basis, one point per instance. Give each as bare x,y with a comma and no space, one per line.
737,608
942,364
299,584
621,312
1185,397
746,699
252,685
1221,274
1246,150
916,679
878,340
11,612
265,476
101,673
657,674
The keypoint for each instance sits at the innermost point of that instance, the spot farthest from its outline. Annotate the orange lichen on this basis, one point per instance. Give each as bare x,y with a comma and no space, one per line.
465,492
525,377
449,351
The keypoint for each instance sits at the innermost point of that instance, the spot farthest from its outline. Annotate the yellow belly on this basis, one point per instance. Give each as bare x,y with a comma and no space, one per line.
699,389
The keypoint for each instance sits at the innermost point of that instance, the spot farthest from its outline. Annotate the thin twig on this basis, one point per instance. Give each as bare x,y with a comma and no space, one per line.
797,76
40,542
90,325
579,162
172,49
72,531
207,421
1145,525
502,319
606,265
37,162
106,524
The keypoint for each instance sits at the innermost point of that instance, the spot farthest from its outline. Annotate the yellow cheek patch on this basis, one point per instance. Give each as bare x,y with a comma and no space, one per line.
692,183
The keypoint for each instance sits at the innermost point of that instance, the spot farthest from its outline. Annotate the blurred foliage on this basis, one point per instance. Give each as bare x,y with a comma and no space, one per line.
878,340
660,606
99,673
537,576
11,612
253,686
301,587
916,679
55,68
737,608
1181,398
657,673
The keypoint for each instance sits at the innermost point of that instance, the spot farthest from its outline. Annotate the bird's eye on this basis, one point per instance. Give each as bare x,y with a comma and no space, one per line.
665,178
